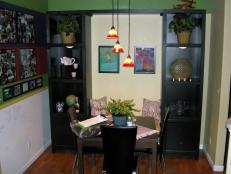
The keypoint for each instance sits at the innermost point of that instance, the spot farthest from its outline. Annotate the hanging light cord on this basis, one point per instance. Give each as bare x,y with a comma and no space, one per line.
112,12
129,23
118,17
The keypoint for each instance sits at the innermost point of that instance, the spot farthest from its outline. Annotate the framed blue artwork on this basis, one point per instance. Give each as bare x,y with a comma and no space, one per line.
108,61
144,60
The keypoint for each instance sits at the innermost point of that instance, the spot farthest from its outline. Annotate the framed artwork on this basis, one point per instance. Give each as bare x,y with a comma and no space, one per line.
17,90
108,61
8,26
144,60
27,63
25,28
39,82
7,66
32,84
8,93
25,87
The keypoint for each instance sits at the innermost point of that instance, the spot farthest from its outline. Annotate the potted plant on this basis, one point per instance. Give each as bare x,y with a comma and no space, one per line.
68,26
183,24
121,110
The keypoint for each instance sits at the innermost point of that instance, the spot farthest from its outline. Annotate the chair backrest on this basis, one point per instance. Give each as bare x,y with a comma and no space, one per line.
119,146
163,127
72,114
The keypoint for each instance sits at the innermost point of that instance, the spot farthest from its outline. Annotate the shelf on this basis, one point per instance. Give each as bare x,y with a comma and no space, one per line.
64,45
184,119
178,46
194,81
66,80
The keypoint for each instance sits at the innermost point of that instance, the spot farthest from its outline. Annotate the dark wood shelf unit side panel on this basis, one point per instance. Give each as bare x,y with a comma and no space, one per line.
62,133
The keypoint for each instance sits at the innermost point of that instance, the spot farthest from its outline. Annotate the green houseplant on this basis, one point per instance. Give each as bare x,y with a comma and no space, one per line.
121,110
68,26
183,24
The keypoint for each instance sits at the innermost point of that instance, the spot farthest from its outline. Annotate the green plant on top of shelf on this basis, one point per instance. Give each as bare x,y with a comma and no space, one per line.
183,22
68,24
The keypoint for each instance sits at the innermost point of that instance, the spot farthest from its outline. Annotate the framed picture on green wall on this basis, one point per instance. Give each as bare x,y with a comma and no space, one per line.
108,61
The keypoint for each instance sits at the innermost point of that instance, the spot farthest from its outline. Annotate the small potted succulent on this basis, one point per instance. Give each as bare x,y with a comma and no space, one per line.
68,26
183,24
121,110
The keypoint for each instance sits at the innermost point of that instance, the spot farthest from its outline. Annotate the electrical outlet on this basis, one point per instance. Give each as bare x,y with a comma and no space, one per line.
210,140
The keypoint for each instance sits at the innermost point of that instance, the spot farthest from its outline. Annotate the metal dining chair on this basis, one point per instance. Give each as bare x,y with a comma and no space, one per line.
119,146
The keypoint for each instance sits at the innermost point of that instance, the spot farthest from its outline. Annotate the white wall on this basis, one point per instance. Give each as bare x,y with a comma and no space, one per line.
24,132
146,31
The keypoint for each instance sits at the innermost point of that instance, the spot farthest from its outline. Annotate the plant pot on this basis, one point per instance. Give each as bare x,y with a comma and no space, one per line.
68,39
183,37
120,120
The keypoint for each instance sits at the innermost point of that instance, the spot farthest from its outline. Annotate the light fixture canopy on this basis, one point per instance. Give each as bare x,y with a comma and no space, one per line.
128,62
117,48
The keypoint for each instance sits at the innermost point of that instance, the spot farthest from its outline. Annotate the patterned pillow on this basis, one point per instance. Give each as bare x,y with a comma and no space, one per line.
98,106
152,109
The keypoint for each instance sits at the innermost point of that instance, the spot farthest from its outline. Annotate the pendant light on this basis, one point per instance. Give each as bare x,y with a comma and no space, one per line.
117,47
112,34
128,60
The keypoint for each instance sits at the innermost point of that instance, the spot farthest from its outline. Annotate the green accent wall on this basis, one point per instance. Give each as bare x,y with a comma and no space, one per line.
61,5
37,5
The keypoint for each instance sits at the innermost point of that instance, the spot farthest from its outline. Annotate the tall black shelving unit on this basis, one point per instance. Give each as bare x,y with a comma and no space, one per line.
61,83
184,96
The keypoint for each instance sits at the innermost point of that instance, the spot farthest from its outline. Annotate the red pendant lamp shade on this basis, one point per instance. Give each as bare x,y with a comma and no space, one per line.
128,62
117,48
112,34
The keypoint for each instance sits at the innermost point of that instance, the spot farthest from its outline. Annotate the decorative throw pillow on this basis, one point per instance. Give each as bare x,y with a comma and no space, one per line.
152,109
98,106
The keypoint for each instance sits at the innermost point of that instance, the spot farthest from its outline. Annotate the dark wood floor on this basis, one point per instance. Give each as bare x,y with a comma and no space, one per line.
61,163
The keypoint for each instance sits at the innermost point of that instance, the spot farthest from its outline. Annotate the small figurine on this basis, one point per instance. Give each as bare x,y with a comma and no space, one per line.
185,4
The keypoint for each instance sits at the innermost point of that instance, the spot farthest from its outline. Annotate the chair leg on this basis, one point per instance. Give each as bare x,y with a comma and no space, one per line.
162,164
75,164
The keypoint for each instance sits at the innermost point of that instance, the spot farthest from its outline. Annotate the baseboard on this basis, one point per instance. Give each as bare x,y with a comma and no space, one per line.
23,169
216,168
201,147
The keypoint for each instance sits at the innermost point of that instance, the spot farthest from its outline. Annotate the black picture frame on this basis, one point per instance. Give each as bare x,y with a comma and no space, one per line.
26,28
32,84
8,26
27,60
25,87
7,66
39,82
17,90
8,93
144,60
109,62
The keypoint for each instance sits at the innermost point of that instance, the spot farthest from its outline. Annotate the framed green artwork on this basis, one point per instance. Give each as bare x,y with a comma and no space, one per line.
108,61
